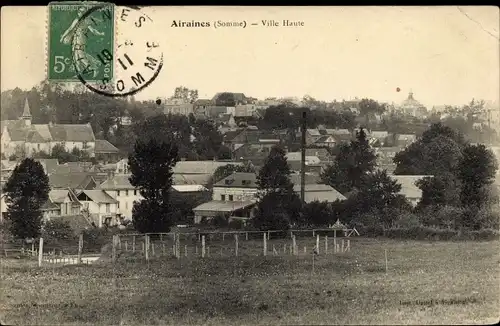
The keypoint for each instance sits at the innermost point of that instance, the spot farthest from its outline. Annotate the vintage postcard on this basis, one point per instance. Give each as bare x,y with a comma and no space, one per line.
166,165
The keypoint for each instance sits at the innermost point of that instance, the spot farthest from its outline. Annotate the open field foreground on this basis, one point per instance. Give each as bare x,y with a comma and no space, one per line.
461,279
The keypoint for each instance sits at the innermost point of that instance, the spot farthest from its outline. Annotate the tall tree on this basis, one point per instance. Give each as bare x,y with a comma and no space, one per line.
369,108
278,204
26,191
476,171
351,164
151,167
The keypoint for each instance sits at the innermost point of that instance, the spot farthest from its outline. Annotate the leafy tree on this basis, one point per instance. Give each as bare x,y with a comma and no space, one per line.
476,171
351,164
278,204
151,167
26,191
317,213
369,107
207,143
440,190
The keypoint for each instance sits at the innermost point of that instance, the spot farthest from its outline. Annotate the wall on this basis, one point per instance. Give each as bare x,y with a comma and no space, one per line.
126,201
239,194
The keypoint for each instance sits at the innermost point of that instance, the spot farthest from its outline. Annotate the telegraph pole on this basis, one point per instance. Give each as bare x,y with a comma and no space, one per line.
303,160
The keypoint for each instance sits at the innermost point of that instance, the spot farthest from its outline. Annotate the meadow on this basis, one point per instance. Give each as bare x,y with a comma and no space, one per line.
425,283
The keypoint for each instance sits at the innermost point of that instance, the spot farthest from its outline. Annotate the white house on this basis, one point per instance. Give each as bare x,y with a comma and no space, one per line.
22,135
100,207
118,187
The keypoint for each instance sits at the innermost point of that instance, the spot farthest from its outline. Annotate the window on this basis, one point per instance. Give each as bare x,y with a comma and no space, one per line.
38,146
117,193
107,208
126,192
118,205
230,197
135,192
222,197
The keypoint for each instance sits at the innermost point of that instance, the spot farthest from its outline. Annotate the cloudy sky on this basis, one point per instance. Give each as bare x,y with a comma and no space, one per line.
446,55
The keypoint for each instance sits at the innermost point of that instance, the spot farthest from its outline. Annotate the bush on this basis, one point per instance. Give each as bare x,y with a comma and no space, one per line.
483,234
407,220
57,231
487,218
235,224
442,217
421,233
95,239
220,221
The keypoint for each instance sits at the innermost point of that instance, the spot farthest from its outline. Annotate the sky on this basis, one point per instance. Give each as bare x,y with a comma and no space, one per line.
445,55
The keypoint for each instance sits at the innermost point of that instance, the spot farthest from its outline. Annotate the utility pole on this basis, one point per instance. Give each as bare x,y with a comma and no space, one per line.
303,160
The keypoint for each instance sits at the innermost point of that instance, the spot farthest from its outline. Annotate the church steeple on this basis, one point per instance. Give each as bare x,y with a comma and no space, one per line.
410,95
26,114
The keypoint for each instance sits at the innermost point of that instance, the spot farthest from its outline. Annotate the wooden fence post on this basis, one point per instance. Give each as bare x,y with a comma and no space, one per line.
32,247
326,244
342,245
146,245
335,241
133,243
223,234
40,252
178,246
113,249
185,250
294,245
202,246
317,243
265,244
153,249
246,236
80,248
126,245
236,245
348,245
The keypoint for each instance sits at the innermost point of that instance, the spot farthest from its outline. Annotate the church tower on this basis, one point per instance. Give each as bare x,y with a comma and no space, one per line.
26,114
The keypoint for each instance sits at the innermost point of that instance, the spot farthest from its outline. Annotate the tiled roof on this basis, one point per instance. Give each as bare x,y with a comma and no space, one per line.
191,179
216,206
71,132
324,139
74,180
297,156
198,167
314,132
319,192
310,178
339,131
104,146
189,188
118,181
99,196
239,180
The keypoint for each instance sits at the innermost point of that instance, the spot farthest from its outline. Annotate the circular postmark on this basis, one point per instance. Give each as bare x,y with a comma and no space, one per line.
115,65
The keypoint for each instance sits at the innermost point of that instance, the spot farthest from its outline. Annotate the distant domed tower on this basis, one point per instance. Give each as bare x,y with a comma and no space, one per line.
26,114
413,107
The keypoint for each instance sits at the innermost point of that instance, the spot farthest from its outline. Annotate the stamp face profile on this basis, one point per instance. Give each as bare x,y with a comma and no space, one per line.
137,58
78,47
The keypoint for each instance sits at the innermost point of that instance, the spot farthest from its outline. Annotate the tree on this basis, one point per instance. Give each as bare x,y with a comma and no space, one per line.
278,204
439,190
26,191
151,167
351,164
207,143
476,172
369,107
380,195
317,213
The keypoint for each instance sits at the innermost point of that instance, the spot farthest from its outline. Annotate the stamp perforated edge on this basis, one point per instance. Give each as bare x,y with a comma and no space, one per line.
47,36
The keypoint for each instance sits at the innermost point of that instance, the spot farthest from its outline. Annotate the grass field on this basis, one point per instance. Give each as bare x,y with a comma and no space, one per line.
461,279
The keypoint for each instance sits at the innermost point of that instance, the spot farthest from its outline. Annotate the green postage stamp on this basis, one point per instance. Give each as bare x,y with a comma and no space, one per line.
80,41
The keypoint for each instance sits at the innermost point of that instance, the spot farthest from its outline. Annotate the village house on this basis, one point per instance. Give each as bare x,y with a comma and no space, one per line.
326,141
236,196
404,140
409,187
23,136
105,151
99,207
412,107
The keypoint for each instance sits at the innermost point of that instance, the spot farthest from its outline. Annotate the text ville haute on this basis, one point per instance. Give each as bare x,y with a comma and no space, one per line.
240,24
